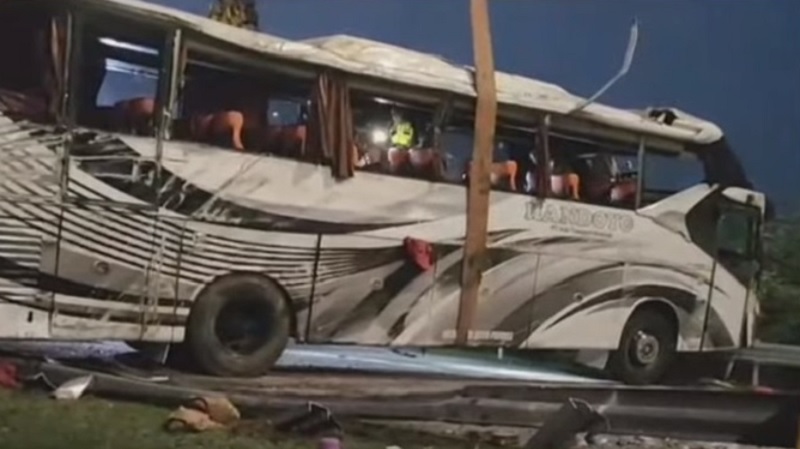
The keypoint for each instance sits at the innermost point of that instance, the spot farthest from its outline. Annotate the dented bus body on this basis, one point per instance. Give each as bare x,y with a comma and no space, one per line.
185,207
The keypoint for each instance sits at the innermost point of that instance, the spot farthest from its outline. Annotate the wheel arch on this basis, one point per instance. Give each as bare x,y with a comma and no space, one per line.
658,305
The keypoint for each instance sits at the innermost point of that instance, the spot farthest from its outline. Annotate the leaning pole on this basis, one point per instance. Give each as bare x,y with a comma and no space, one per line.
479,175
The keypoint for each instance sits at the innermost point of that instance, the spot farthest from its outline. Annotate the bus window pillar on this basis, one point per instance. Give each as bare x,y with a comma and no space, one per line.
640,176
167,97
542,150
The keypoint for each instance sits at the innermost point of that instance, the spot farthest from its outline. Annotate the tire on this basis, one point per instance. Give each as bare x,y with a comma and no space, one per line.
631,363
244,307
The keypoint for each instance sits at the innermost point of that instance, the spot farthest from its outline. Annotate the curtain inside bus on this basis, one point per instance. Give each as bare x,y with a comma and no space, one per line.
54,79
330,126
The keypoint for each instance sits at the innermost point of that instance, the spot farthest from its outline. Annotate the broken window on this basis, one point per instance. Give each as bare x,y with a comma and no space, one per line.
231,105
513,163
593,172
118,77
32,48
395,138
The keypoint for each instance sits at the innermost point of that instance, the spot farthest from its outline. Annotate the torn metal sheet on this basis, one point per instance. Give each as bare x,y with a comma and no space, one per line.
347,358
73,388
410,361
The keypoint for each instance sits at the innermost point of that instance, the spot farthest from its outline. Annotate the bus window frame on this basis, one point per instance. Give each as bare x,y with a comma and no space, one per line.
441,116
81,19
74,59
251,60
672,154
754,219
543,156
199,51
611,147
461,121
641,152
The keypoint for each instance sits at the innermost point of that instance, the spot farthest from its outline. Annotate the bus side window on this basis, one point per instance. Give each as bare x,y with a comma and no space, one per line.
593,173
735,234
457,145
236,106
413,155
118,80
287,120
668,173
285,112
28,89
737,242
507,159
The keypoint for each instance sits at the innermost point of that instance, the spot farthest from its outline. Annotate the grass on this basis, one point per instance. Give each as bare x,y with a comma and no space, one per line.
34,421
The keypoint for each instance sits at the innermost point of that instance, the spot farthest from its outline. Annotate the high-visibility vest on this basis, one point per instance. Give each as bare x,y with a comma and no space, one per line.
403,135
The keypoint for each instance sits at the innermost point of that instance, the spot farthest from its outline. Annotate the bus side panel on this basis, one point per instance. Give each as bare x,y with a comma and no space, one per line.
506,299
214,249
369,290
102,260
29,218
24,306
168,299
105,271
577,301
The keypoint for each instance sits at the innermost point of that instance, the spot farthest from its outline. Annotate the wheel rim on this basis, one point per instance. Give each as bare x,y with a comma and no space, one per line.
241,325
645,349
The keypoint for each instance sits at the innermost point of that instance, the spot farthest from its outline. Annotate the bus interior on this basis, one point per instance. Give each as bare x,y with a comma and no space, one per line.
242,101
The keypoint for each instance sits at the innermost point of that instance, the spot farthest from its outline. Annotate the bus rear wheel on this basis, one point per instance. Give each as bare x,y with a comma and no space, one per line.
238,326
646,349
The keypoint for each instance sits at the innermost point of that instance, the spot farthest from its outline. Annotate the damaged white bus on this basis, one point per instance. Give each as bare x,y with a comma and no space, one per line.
166,178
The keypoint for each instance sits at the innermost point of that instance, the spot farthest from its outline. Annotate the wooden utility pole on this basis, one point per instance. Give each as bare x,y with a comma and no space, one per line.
479,180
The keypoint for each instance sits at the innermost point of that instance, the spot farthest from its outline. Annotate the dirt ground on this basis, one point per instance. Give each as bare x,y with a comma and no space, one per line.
33,421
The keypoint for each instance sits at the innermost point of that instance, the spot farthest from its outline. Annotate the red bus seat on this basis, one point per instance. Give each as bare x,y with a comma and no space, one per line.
135,116
30,106
223,128
501,171
565,186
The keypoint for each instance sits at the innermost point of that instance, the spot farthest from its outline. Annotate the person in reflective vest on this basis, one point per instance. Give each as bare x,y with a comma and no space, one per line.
401,139
402,131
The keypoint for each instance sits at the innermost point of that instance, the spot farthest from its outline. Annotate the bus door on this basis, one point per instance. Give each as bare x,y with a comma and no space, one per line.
729,319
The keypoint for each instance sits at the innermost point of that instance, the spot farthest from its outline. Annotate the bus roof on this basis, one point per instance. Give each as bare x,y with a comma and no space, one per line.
400,65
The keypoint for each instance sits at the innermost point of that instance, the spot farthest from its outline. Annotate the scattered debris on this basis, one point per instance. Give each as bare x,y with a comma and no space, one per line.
561,428
448,433
190,420
73,388
330,443
218,409
313,419
503,439
202,414
9,376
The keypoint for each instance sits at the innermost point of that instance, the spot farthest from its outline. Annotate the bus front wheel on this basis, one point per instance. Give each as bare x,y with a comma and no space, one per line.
646,349
238,326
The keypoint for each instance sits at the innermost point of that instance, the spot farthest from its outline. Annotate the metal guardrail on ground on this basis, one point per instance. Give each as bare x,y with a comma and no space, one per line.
748,417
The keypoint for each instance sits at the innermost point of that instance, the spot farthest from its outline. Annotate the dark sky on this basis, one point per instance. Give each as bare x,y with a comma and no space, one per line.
735,62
